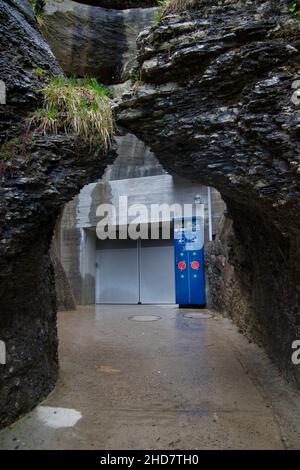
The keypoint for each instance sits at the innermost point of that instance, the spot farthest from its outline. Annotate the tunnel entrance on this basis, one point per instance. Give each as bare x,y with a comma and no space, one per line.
126,268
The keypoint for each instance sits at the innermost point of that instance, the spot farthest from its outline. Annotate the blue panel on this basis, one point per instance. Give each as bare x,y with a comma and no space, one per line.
189,261
197,278
181,273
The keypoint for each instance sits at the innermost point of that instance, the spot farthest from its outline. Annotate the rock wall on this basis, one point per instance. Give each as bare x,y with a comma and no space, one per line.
217,103
40,176
96,41
120,4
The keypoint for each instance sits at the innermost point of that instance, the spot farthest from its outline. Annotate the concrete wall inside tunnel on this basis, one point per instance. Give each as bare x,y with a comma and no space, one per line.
137,174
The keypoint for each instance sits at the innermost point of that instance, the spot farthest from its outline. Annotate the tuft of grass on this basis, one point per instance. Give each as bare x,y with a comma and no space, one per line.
48,120
171,6
78,106
100,90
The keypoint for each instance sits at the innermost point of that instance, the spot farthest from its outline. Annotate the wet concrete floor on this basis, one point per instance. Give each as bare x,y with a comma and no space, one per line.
177,381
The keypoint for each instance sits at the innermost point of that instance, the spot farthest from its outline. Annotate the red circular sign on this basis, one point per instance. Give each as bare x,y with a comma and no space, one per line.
181,265
195,265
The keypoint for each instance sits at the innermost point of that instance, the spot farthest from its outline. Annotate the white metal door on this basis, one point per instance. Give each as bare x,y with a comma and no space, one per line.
132,272
117,272
157,277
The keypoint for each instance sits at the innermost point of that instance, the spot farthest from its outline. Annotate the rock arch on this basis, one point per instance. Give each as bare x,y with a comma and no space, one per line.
215,104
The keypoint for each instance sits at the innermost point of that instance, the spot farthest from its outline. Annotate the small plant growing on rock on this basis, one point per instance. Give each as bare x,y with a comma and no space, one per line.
76,106
173,6
40,72
295,8
8,148
136,78
13,148
48,119
38,7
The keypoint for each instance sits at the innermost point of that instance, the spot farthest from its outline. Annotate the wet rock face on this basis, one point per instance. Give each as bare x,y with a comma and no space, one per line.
32,195
19,58
217,103
35,185
89,40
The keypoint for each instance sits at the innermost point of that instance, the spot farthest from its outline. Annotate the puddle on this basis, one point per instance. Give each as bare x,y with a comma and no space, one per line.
202,315
107,370
144,318
58,417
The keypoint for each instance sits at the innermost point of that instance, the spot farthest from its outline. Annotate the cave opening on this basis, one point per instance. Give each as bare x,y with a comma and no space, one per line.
128,264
